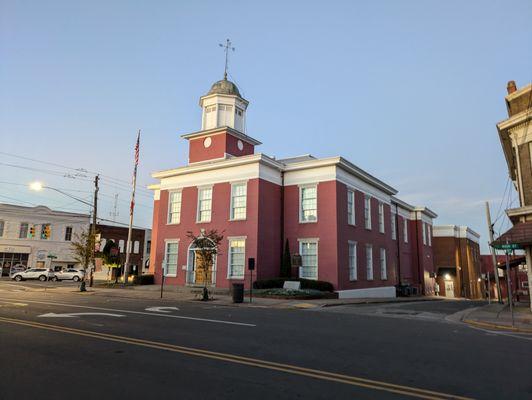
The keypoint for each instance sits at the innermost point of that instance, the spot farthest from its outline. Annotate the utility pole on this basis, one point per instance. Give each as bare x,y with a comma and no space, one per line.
493,257
93,229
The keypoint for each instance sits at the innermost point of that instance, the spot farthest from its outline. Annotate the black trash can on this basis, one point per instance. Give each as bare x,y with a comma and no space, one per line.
238,292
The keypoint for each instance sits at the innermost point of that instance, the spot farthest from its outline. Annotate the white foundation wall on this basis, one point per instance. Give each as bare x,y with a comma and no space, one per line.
380,292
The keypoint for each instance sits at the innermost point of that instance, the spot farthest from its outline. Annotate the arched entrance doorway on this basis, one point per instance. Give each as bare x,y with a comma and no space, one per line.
198,271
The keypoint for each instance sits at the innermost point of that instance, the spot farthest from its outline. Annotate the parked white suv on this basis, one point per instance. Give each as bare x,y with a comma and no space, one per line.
69,274
41,274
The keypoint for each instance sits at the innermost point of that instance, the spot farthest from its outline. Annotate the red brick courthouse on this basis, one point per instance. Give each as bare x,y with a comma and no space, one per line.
346,224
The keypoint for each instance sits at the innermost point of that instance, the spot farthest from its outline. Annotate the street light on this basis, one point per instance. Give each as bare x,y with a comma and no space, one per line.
38,186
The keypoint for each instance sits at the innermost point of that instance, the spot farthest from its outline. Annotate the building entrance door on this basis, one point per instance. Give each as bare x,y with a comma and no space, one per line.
449,289
203,271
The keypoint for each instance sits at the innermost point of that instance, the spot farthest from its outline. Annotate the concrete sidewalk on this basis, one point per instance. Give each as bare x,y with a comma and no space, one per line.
222,297
498,316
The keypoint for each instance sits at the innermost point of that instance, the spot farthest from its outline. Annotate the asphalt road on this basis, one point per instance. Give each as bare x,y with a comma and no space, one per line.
126,348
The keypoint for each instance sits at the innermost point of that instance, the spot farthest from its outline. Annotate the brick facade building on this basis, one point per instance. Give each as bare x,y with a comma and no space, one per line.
348,226
457,261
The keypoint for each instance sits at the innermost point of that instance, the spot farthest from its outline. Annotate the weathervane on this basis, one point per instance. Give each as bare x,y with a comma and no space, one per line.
227,46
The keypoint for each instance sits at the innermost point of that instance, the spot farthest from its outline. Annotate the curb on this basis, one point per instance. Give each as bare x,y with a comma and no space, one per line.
495,326
377,302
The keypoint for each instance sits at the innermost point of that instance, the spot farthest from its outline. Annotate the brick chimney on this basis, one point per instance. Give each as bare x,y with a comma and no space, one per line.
511,87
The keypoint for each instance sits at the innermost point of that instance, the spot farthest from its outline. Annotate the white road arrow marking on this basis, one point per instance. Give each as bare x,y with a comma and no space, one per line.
162,309
73,315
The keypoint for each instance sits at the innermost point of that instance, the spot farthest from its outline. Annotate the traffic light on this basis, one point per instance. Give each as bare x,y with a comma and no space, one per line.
46,231
32,232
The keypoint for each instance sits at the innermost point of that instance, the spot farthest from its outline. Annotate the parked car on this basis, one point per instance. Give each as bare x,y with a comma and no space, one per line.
69,274
41,274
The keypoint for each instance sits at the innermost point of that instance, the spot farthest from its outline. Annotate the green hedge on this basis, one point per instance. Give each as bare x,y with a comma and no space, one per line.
277,283
146,279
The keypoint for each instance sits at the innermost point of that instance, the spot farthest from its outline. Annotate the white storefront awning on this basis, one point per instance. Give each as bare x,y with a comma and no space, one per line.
15,249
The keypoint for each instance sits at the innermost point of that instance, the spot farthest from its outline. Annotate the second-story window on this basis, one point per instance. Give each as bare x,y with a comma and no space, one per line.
23,232
204,204
367,211
2,224
429,235
424,232
394,226
174,208
381,217
405,230
351,207
308,208
238,200
68,233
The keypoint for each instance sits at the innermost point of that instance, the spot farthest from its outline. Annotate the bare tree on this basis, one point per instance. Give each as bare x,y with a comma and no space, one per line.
83,249
207,245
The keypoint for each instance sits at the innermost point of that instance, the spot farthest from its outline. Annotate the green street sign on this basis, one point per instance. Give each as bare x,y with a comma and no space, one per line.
507,246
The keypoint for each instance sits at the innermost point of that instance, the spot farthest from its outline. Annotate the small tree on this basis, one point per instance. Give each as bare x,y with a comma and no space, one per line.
286,262
83,249
111,256
207,247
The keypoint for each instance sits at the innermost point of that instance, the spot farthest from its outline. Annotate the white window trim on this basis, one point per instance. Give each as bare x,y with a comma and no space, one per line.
170,207
353,219
368,278
355,269
166,241
381,253
405,230
424,232
367,221
200,188
310,240
231,205
229,240
382,228
429,229
300,206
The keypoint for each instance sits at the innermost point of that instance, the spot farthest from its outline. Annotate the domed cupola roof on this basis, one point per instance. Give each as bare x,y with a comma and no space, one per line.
224,87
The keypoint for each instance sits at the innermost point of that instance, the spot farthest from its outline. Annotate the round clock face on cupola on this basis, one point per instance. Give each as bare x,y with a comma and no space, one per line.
207,142
240,145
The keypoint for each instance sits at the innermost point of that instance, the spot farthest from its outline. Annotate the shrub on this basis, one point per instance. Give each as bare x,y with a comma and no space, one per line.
322,286
277,283
146,279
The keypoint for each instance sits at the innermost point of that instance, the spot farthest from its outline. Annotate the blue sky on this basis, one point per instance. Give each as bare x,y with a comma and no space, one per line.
408,90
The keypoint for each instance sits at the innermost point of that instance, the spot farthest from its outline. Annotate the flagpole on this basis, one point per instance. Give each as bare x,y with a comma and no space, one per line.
131,210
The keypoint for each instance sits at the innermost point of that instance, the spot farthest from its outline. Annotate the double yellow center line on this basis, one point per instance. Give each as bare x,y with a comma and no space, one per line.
286,368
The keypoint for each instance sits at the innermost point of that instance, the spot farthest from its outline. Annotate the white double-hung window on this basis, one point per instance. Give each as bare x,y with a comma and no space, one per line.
353,273
405,229
308,203
238,200
381,217
384,274
308,248
170,257
351,207
369,262
394,226
204,204
429,235
174,207
423,228
237,251
367,211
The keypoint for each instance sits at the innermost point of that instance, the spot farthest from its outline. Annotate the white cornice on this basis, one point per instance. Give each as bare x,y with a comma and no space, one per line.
460,232
220,130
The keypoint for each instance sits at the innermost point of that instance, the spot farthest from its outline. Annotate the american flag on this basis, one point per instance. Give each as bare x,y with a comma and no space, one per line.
137,150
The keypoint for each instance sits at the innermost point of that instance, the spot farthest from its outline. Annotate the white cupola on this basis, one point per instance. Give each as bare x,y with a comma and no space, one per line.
223,106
